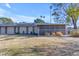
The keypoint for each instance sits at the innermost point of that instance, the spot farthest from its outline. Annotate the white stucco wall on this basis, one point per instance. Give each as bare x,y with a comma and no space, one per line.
10,30
23,30
30,29
36,29
16,29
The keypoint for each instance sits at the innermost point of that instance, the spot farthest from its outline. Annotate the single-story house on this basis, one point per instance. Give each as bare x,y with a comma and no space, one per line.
31,28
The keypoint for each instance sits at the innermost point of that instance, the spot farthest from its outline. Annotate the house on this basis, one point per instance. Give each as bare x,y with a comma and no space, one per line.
31,28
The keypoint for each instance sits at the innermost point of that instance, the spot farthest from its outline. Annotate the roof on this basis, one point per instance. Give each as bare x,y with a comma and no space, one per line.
19,24
7,24
49,24
27,24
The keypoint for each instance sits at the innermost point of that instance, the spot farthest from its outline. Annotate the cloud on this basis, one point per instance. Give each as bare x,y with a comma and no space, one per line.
4,12
19,18
22,18
15,17
8,5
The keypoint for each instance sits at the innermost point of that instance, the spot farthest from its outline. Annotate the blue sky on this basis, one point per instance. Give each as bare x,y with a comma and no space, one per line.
25,12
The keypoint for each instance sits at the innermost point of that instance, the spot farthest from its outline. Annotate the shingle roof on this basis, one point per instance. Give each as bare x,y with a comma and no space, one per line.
27,24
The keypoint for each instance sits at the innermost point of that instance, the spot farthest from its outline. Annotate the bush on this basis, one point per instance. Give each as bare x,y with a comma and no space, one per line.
47,33
53,33
59,34
17,33
74,33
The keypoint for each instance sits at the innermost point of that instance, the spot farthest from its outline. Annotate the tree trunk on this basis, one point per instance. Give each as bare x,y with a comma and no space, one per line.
74,24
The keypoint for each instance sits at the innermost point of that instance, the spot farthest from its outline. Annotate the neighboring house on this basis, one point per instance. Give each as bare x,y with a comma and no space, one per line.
31,28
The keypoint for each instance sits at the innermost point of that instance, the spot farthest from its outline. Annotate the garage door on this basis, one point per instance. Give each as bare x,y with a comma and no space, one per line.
10,30
2,30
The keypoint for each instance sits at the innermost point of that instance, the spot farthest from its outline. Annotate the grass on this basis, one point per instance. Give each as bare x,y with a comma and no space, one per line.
23,45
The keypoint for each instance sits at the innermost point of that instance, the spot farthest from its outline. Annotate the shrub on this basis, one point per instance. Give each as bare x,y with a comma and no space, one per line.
74,33
53,33
47,33
17,33
59,34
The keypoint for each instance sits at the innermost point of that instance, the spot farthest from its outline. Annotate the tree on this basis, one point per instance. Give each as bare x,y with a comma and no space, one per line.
5,20
68,11
39,21
73,13
42,16
68,20
58,12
